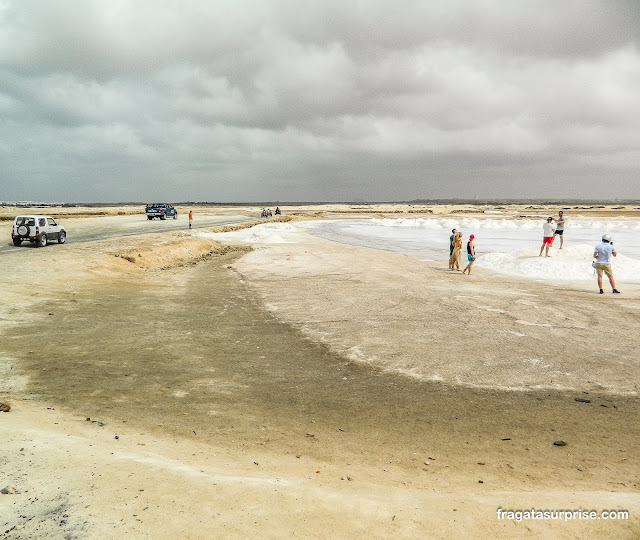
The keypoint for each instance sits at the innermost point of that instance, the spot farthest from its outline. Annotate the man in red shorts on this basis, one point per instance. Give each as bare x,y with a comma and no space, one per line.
547,233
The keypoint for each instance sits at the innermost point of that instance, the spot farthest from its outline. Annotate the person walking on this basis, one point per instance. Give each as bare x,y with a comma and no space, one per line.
453,235
547,236
560,222
190,218
457,251
471,254
602,264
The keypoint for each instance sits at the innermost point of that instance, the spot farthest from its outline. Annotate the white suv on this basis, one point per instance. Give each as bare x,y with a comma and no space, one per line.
37,229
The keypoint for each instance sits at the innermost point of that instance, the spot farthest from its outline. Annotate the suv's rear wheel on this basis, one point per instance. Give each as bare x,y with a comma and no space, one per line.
17,241
149,218
62,237
163,217
43,240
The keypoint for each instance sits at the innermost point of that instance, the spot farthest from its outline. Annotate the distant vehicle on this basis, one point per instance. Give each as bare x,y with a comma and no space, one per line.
161,210
38,230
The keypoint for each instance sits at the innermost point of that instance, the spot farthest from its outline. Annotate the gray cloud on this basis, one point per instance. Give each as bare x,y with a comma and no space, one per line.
329,100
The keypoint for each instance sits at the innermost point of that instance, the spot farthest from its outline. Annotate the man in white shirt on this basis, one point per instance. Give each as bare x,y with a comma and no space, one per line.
602,254
547,233
560,227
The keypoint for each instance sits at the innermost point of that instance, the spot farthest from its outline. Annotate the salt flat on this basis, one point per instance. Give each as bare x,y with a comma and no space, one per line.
306,388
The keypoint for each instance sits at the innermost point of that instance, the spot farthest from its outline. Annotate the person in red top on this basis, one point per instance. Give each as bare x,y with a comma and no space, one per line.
190,217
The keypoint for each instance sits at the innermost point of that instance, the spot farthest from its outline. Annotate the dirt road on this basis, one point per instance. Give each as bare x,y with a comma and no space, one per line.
92,229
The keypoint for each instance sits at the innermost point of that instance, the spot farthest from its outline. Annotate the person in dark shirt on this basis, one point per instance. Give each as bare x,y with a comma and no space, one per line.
453,235
471,254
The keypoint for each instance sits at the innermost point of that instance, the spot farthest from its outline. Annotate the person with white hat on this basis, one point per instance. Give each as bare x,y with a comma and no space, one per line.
548,229
602,255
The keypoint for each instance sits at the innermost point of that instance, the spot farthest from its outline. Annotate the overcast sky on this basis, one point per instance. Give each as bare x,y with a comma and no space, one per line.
329,100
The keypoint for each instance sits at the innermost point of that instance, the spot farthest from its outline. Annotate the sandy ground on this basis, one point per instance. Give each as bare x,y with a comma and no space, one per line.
170,385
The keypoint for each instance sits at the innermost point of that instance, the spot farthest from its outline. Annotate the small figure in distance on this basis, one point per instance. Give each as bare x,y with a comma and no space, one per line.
471,254
453,235
277,210
269,214
602,254
190,218
547,236
264,213
560,228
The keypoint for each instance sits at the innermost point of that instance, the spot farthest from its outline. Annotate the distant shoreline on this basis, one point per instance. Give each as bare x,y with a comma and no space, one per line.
314,210
417,202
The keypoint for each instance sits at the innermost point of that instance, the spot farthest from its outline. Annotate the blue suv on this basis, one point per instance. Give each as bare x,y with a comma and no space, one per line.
161,210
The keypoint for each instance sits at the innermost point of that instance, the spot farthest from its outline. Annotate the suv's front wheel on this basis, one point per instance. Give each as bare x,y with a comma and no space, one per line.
62,237
43,240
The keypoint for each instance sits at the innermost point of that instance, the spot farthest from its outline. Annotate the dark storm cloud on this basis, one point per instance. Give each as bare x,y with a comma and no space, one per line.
329,100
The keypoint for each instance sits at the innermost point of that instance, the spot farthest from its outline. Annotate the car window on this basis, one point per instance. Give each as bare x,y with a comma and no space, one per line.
51,221
42,222
25,221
